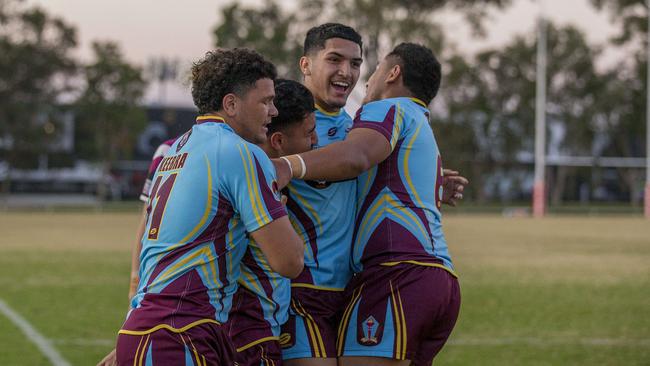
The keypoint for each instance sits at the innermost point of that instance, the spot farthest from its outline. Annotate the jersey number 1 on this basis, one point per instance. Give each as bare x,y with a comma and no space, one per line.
159,194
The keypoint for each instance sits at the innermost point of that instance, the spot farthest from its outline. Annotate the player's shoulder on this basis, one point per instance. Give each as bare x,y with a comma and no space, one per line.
236,150
377,110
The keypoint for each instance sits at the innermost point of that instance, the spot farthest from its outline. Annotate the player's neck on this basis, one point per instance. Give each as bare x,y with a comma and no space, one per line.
270,151
325,109
397,91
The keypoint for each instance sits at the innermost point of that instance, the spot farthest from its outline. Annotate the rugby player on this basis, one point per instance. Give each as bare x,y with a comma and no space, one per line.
403,303
212,189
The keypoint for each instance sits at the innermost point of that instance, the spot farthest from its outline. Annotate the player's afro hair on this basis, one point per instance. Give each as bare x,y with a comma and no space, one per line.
317,36
225,71
420,70
293,101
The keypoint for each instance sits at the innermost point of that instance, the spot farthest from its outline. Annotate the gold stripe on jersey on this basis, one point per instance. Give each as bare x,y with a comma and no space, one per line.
208,205
306,205
257,188
407,173
251,196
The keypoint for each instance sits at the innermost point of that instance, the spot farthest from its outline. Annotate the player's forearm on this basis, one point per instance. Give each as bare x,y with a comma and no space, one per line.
337,161
135,254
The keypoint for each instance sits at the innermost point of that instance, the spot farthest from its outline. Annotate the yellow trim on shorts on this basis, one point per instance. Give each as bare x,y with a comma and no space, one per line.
417,263
254,343
345,320
403,318
317,339
398,323
168,327
315,287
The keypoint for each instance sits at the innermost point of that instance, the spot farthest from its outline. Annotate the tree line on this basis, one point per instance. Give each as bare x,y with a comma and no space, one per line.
483,117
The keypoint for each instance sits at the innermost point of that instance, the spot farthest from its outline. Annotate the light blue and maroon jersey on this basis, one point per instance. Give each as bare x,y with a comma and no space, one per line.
398,207
272,290
155,161
322,213
210,189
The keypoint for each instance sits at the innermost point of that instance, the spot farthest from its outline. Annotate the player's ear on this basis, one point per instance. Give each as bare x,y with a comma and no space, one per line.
394,74
305,65
276,140
230,104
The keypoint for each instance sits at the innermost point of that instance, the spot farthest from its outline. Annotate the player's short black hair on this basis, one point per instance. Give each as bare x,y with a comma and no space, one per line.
293,101
317,36
225,71
420,70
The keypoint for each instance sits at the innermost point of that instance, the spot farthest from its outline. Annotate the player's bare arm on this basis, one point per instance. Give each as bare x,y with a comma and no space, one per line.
282,247
361,150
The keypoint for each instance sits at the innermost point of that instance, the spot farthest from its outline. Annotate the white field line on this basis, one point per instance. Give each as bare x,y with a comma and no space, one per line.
531,341
33,335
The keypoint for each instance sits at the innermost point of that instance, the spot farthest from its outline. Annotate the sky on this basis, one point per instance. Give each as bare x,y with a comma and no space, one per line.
183,29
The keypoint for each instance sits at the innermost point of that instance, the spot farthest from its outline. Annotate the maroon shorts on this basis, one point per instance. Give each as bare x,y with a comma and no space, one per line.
405,312
251,335
311,329
204,344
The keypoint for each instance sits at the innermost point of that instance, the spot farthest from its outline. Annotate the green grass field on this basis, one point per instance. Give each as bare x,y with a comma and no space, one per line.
557,291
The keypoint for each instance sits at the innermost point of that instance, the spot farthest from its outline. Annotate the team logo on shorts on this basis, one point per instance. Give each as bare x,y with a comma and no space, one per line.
369,327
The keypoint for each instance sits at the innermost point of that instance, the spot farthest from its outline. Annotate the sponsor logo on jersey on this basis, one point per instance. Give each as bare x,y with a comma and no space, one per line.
332,131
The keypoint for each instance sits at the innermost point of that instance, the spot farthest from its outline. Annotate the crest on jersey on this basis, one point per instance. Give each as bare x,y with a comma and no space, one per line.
183,140
369,327
332,131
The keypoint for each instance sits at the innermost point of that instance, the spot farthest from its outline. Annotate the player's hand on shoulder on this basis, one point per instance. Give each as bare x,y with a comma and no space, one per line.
453,185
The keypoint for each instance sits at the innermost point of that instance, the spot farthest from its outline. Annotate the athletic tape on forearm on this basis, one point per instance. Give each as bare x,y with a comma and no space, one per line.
288,163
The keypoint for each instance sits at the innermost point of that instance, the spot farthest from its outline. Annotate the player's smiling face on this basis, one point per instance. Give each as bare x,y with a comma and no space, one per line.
255,111
332,73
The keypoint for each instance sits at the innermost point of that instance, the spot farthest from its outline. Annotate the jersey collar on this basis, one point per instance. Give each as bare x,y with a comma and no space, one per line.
209,118
418,101
323,111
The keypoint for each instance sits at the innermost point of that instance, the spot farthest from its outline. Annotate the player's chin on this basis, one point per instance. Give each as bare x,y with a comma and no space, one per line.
338,101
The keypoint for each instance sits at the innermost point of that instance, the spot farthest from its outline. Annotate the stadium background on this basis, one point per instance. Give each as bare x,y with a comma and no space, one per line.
80,120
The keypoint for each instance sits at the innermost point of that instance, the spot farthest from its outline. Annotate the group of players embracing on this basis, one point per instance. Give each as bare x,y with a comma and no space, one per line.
280,231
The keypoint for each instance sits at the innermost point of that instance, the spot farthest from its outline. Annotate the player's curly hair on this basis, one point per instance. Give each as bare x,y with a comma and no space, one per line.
293,101
317,36
420,70
225,71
